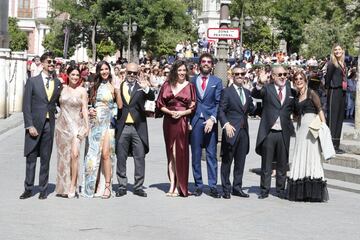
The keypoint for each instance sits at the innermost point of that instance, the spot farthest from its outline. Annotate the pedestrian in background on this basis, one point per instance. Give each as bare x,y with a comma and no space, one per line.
336,83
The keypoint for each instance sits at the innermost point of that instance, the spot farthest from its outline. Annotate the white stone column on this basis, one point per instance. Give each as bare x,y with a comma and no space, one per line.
4,79
17,78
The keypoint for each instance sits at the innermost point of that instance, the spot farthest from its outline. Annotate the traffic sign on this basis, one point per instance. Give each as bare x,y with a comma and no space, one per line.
223,33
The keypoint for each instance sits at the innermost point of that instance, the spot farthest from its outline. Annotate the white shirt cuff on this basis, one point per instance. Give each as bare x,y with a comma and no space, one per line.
146,90
213,118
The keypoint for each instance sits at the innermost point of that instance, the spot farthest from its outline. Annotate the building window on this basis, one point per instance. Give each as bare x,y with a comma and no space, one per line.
24,9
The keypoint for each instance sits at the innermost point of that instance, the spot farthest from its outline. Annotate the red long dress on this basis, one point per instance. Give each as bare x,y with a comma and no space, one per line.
176,131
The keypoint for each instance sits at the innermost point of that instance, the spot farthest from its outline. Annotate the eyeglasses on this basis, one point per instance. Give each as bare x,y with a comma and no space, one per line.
51,61
282,74
206,61
242,74
131,73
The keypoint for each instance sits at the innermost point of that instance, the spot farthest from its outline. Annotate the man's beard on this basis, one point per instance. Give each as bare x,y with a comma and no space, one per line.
204,71
130,79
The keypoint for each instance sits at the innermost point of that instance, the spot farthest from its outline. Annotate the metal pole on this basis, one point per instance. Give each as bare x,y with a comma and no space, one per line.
129,40
241,30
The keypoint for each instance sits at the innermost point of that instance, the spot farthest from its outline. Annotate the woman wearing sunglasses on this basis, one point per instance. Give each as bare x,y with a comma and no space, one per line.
101,152
306,181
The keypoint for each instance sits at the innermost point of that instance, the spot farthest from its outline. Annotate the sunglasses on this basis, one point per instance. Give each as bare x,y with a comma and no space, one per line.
242,74
206,61
298,79
282,74
131,73
51,61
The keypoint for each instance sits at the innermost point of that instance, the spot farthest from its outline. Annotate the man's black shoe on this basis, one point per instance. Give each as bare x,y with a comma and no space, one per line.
214,193
120,193
226,195
339,151
281,195
140,193
263,196
240,193
43,195
26,194
197,192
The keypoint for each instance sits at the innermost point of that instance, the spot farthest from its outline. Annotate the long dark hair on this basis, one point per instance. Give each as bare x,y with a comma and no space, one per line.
69,70
98,79
172,78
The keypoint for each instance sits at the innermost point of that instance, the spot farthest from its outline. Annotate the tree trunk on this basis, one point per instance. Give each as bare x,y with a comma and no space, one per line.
93,43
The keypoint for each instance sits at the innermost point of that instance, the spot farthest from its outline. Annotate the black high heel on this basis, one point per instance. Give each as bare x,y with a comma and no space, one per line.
107,186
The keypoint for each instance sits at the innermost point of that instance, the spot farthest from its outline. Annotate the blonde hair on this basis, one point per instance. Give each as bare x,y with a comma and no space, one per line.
333,58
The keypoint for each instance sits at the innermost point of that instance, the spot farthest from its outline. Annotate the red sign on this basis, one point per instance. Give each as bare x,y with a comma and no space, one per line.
223,33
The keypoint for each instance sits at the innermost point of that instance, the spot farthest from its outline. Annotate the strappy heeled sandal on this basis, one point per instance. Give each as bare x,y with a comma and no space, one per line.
107,186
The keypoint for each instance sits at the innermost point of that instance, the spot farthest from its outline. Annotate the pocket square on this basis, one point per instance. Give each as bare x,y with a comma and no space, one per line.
213,86
291,97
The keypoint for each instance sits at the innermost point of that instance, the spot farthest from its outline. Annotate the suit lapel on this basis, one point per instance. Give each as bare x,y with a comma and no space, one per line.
274,92
56,88
208,86
194,80
234,94
40,84
136,88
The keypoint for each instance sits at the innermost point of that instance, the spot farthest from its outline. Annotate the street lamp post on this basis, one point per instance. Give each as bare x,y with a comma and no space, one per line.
130,29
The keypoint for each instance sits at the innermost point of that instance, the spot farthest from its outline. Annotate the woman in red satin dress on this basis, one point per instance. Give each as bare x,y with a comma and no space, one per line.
177,99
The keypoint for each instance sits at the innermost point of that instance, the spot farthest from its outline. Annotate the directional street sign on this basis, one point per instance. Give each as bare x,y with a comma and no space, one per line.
223,33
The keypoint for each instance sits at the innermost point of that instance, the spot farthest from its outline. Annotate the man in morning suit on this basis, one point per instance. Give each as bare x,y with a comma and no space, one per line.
132,133
39,106
275,128
204,124
235,105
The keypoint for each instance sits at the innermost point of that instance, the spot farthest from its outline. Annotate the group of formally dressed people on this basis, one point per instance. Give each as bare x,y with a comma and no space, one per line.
113,122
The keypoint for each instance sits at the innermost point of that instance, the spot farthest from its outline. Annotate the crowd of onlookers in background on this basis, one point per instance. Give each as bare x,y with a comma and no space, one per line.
156,70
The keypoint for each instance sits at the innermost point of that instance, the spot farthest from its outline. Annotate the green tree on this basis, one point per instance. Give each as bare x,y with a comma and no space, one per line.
18,38
258,36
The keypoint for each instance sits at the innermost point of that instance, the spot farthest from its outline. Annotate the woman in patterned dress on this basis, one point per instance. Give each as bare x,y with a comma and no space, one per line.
71,128
101,156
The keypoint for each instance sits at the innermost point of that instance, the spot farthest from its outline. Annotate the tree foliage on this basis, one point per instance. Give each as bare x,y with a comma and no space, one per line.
18,39
309,27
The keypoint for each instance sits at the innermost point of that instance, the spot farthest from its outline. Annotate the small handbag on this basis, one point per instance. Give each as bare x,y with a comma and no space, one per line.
314,126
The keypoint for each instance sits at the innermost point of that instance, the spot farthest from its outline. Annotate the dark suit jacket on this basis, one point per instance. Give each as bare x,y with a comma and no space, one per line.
35,107
137,111
334,76
208,104
272,109
231,110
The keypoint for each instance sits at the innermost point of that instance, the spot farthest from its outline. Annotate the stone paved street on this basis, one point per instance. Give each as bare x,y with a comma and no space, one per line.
160,217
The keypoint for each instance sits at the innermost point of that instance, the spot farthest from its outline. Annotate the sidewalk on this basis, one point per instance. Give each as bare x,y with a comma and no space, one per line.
15,120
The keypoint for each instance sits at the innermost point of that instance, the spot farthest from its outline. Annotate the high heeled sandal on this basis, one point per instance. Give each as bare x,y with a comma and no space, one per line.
107,186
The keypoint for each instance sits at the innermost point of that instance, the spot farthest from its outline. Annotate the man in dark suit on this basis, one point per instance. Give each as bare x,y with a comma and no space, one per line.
132,133
275,128
204,124
39,106
235,105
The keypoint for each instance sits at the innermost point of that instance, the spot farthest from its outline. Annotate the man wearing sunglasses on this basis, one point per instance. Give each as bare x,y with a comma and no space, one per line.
235,105
275,128
204,124
132,133
39,105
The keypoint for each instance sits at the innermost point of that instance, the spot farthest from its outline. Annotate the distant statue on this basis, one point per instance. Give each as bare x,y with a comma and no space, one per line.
201,29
